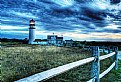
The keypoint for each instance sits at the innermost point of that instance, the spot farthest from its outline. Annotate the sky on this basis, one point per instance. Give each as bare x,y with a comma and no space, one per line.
91,20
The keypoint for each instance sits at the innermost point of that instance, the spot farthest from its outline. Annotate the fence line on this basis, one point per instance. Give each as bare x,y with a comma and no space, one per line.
55,71
104,73
95,70
106,56
107,71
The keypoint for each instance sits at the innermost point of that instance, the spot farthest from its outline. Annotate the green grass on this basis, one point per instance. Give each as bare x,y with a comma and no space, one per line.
24,60
20,62
114,75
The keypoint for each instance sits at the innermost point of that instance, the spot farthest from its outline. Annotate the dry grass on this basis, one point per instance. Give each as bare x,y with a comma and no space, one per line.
19,62
25,60
113,76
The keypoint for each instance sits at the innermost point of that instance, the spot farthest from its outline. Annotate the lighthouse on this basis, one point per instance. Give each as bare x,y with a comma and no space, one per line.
32,31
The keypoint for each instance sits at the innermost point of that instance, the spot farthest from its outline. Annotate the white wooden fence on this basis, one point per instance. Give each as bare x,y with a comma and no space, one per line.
95,68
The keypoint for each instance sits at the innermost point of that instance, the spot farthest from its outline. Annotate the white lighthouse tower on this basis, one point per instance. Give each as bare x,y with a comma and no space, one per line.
32,32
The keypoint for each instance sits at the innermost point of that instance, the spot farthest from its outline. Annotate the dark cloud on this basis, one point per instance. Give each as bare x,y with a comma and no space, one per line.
94,14
53,17
62,13
119,27
112,31
115,1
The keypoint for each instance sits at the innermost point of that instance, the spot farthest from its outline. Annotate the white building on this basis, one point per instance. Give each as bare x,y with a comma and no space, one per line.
59,41
51,39
55,40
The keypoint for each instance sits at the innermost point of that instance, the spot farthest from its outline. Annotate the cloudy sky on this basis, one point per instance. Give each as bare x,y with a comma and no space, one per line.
95,20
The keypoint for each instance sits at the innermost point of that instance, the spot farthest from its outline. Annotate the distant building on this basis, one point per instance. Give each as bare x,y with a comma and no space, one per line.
59,41
55,40
51,39
68,43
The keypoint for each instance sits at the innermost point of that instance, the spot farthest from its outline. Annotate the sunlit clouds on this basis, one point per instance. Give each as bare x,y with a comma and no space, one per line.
64,3
23,14
112,26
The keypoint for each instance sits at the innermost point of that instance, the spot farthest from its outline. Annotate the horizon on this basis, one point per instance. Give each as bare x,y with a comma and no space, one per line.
97,20
63,40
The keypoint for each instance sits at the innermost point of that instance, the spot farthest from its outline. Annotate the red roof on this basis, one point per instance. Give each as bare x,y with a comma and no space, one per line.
32,20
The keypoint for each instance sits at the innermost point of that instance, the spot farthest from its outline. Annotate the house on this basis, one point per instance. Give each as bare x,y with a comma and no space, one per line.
59,41
51,39
55,40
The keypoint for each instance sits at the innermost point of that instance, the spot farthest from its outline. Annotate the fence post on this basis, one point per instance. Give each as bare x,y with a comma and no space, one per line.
103,49
95,68
116,57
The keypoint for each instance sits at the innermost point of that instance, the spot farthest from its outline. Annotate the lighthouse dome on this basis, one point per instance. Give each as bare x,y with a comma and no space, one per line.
32,22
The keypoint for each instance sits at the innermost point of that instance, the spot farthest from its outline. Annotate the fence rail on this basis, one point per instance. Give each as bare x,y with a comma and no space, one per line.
55,71
61,69
106,56
107,71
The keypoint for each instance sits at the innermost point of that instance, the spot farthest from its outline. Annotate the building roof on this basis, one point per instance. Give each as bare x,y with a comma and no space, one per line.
68,40
43,40
37,40
49,36
32,20
59,37
40,40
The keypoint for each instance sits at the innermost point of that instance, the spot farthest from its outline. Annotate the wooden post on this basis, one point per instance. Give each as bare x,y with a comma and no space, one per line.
116,57
95,68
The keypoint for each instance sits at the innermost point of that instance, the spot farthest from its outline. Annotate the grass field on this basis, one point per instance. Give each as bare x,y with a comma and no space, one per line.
114,75
19,62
